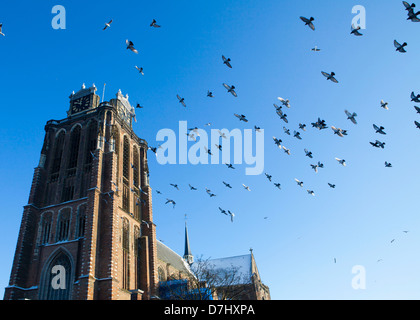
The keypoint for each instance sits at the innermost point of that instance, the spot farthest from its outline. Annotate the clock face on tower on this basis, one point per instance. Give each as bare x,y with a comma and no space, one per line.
80,104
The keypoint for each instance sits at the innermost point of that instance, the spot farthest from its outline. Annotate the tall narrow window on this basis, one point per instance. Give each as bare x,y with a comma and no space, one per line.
136,167
126,254
91,143
136,255
81,221
126,160
58,153
63,225
45,228
74,148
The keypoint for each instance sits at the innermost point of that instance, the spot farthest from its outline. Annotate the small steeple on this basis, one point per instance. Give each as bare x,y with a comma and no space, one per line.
188,257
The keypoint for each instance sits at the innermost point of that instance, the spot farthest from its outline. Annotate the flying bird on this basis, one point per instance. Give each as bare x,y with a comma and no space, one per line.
415,98
384,105
241,117
300,183
308,153
107,25
181,100
232,215
408,7
302,126
140,70
417,109
277,142
316,49
356,31
286,131
258,129
130,45
286,150
277,185
338,131
226,61
311,192
417,124
315,167
170,201
191,187
283,116
400,47
285,102
332,186
154,24
308,22
227,185
388,165
223,211
351,116
229,165
230,89
222,134
138,106
413,16
268,176
341,161
174,185
378,144
296,134
210,94
330,76
246,187
379,129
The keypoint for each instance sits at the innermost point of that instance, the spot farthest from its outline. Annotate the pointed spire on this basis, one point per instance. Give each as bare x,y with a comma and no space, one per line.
188,257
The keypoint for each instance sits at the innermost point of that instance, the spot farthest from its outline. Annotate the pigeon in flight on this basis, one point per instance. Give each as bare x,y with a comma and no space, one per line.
338,131
320,124
330,76
351,116
258,129
107,25
230,89
356,31
286,131
332,186
296,134
302,126
320,165
210,94
218,146
158,192
278,109
170,201
378,144
268,176
222,134
207,150
300,183
341,161
316,49
285,102
226,61
277,185
315,167
417,109
311,192
227,185
286,150
283,116
415,98
138,106
154,24
417,124
388,165
174,185
413,16
277,142
246,187
241,117
130,45
181,100
400,47
140,70
379,129
308,22
308,153
223,211
229,165
384,105
191,187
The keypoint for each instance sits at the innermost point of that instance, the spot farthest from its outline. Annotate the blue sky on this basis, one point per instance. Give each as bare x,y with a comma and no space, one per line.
270,47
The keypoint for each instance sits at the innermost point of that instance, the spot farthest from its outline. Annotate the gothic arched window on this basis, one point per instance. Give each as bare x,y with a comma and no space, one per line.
91,143
63,225
126,253
58,153
74,147
46,221
81,221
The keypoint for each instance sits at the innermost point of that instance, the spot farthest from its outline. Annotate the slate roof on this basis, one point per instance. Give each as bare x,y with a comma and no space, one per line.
167,255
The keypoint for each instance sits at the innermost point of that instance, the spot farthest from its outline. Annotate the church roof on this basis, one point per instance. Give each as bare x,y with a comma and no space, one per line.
243,265
167,255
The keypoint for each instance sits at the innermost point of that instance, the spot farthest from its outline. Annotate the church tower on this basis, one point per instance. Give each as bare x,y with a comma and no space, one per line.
87,231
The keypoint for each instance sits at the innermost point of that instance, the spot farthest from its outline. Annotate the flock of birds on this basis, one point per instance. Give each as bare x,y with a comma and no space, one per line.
319,124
